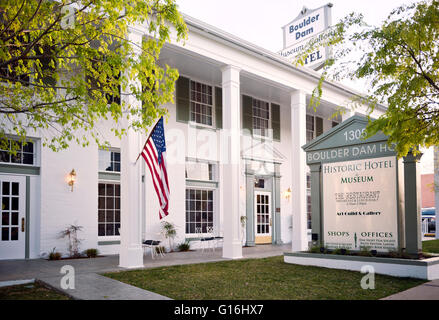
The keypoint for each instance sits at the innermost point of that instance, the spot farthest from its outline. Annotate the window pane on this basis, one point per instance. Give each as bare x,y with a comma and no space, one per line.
14,203
109,190
101,216
101,189
5,218
15,188
5,203
29,147
28,158
5,234
16,158
5,188
101,229
14,234
109,229
4,156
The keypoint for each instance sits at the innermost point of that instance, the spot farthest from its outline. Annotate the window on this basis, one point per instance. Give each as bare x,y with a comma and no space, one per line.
200,171
199,209
261,117
108,209
201,103
109,160
25,153
334,123
314,127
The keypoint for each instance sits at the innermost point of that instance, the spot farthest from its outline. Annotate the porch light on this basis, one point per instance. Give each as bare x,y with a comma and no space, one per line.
72,178
287,194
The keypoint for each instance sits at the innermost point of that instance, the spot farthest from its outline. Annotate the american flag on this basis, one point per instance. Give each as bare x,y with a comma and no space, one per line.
154,153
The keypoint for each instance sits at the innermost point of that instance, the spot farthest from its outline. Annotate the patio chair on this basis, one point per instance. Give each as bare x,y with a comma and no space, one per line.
154,246
205,238
218,239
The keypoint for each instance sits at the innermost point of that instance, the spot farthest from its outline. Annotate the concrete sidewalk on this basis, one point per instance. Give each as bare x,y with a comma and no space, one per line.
90,285
426,291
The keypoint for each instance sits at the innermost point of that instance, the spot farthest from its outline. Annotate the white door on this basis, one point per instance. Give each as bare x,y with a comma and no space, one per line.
12,221
262,217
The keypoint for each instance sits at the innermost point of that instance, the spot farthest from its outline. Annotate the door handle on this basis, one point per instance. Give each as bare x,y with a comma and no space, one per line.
270,222
22,224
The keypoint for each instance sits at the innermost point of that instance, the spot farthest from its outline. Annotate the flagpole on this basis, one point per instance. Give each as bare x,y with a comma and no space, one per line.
148,138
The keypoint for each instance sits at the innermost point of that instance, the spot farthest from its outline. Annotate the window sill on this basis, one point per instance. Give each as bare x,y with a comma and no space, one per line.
202,126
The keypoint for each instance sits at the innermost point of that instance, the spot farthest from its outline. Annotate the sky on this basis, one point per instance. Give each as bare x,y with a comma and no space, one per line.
260,22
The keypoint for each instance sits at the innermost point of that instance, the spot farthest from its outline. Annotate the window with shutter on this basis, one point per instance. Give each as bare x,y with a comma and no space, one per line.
275,121
247,114
182,99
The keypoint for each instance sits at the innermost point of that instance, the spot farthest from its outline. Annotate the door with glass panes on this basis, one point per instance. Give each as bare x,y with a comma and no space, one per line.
262,217
13,217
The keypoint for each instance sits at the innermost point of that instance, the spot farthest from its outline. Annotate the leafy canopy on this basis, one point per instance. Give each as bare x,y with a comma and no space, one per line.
67,65
400,61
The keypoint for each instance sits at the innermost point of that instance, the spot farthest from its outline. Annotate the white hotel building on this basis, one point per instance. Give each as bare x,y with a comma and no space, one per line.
234,138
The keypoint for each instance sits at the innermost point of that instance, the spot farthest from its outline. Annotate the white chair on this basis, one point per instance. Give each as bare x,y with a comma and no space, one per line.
153,243
206,238
218,239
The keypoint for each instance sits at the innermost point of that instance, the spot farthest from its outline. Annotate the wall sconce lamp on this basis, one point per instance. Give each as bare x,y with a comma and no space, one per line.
72,178
287,194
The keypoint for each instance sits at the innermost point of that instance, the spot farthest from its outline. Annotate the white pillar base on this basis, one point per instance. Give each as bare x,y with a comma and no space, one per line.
131,258
232,250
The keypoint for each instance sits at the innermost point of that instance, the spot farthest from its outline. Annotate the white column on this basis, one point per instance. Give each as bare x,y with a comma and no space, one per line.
131,253
232,247
298,131
436,187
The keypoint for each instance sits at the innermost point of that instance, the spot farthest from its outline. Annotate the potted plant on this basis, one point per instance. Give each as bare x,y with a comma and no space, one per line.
170,232
71,232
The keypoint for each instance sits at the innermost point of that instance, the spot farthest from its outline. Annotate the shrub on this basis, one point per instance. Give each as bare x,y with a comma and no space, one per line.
91,253
185,246
341,251
54,255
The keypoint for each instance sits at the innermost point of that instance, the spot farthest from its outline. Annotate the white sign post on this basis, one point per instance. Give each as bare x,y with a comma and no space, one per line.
311,26
360,204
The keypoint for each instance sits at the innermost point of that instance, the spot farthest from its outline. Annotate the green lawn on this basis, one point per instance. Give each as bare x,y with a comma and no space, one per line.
263,279
32,291
431,246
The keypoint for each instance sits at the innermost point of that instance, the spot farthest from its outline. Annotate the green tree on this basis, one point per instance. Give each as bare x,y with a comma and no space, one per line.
63,67
400,61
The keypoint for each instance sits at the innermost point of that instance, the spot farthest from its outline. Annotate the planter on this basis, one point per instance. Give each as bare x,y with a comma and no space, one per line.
427,269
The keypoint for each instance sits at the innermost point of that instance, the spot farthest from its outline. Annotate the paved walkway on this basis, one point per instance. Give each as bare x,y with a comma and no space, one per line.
427,291
90,285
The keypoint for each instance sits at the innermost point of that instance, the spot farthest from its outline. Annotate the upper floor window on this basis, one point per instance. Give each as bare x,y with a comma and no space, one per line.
261,117
201,110
202,171
25,153
314,127
109,160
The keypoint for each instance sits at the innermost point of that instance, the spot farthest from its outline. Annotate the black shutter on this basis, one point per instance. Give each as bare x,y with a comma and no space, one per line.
275,121
247,113
182,88
219,107
319,126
